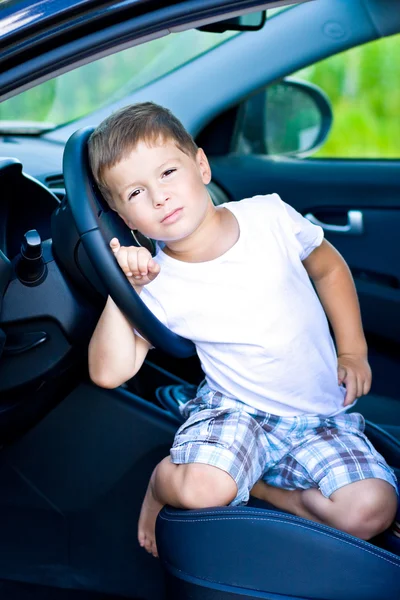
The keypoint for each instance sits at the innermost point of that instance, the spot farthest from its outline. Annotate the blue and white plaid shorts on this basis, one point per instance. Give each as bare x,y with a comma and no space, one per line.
287,452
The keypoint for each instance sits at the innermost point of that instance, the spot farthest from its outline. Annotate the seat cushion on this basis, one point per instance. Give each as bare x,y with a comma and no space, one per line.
260,551
256,552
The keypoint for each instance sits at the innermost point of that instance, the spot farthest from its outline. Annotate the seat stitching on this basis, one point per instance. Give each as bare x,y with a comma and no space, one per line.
295,524
291,518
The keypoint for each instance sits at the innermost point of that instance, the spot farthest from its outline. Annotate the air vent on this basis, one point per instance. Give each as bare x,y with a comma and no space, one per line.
55,181
56,184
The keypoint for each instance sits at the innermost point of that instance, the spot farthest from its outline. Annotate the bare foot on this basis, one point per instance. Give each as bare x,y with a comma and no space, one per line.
147,521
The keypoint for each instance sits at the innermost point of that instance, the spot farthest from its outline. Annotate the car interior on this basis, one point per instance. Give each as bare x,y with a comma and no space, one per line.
75,459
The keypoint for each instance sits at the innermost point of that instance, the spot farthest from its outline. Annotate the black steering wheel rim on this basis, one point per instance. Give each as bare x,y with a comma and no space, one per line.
87,206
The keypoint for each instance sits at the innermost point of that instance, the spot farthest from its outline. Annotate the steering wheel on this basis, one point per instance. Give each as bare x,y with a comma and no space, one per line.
97,224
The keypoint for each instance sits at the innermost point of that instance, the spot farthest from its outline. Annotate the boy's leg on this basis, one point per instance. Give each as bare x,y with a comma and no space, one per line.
216,458
341,480
188,486
364,508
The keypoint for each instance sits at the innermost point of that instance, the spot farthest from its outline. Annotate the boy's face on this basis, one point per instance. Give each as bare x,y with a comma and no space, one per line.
160,190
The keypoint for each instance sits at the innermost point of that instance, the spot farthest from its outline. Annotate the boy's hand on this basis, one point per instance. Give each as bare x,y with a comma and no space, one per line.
136,263
355,372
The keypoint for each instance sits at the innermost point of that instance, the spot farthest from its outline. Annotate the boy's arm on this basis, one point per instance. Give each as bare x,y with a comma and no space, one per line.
115,352
336,290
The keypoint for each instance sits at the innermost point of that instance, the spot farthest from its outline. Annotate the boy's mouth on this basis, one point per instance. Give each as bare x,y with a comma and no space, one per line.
172,216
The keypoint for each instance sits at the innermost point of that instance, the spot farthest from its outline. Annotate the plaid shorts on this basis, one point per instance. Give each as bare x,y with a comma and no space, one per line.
287,452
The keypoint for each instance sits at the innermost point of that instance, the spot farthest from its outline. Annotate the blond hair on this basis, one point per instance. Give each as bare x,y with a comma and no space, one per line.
118,135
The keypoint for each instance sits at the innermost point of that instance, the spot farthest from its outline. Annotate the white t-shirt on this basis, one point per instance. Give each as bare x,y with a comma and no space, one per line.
260,331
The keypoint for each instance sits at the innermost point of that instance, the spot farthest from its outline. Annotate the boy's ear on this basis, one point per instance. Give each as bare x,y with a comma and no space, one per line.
204,166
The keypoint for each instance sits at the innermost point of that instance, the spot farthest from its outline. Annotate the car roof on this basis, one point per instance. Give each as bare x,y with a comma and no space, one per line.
44,38
20,16
46,46
23,21
210,82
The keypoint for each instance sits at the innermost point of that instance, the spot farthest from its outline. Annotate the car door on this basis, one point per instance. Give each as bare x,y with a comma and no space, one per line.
350,186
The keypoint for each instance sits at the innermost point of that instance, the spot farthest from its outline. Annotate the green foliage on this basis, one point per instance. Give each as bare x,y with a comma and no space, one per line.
88,88
363,85
34,108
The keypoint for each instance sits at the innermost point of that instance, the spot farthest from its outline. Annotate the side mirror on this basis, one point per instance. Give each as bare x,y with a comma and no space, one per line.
290,118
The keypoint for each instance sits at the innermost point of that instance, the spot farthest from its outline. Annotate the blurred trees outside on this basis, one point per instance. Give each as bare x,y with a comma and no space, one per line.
102,82
363,85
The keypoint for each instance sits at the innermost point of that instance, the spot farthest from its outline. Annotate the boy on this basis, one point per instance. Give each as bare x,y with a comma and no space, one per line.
236,280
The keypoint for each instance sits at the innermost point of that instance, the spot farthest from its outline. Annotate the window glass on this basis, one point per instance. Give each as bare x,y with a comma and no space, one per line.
271,12
87,88
363,85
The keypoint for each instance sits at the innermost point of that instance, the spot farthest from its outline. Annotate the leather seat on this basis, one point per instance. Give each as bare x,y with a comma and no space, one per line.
246,553
249,553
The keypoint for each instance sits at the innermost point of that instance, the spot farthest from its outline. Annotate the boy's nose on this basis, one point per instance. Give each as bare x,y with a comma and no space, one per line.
160,197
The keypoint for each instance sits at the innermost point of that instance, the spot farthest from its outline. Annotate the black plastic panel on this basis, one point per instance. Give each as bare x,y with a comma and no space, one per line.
83,472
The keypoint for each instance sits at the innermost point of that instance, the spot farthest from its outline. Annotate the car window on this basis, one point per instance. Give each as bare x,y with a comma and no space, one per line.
346,106
363,86
88,88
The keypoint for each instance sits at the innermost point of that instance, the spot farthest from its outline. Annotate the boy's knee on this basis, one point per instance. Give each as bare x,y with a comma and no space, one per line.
204,486
370,512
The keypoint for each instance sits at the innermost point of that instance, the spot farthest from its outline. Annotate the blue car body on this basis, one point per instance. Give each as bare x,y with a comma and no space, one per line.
75,459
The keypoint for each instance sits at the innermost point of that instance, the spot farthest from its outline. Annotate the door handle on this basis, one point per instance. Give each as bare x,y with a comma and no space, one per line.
354,226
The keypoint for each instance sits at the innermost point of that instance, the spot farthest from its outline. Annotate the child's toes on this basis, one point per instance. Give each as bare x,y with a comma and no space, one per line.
141,538
149,546
154,549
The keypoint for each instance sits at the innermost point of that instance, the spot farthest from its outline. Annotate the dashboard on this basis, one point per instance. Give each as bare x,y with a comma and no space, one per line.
30,189
47,322
28,204
45,319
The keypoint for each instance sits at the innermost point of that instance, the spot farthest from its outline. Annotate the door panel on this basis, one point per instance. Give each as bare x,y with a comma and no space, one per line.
329,189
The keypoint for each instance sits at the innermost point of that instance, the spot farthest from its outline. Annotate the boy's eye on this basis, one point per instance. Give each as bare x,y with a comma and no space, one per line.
133,194
168,172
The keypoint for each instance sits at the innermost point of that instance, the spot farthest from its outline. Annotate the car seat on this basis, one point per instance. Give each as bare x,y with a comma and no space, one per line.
256,551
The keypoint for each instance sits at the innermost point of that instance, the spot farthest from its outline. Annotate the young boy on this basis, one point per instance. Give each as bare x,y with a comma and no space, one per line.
235,279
